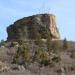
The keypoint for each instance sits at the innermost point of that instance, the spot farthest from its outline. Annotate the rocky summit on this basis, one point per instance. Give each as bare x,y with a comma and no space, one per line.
28,27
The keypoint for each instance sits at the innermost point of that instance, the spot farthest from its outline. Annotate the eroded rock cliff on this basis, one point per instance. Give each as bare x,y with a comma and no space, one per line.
28,27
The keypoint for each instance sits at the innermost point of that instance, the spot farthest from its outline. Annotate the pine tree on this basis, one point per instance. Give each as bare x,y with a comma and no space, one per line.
65,44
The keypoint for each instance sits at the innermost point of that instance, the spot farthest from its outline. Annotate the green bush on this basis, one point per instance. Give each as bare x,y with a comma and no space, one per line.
55,46
72,68
42,57
72,55
23,52
56,59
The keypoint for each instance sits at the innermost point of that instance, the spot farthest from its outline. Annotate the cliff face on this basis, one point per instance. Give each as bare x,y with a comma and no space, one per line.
28,27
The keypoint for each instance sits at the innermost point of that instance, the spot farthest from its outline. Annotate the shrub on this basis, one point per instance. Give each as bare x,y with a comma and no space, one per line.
55,46
42,57
72,55
14,44
56,59
24,53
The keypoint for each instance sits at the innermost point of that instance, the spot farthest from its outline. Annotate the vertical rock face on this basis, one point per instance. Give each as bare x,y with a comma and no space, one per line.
28,27
53,28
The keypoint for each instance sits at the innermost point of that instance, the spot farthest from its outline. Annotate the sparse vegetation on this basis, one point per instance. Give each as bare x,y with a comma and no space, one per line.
42,57
56,59
48,42
22,55
38,40
72,55
30,47
65,44
2,43
13,44
72,68
55,46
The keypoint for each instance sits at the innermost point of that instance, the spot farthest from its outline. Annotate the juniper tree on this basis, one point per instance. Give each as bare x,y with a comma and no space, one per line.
24,53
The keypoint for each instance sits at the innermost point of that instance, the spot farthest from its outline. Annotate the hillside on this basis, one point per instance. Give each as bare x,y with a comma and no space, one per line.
67,61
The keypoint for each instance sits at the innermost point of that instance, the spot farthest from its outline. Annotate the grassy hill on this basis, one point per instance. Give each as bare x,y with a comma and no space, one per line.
36,59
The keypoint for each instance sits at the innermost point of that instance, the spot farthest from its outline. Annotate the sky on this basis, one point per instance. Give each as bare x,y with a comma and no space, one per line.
64,10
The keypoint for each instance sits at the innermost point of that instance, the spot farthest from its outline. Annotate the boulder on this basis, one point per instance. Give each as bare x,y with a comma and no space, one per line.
17,67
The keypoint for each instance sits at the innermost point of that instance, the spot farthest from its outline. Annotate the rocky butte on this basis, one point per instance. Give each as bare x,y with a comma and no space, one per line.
24,53
28,27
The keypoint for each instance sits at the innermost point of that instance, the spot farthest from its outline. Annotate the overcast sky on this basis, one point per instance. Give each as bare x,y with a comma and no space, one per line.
12,10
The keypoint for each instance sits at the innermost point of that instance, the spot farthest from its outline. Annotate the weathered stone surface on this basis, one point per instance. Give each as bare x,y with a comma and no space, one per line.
3,67
28,27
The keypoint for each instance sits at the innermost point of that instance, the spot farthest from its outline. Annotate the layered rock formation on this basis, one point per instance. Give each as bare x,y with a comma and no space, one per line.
28,27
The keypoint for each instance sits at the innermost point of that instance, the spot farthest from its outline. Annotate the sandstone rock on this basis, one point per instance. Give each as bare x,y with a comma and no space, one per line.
61,71
3,67
27,28
17,67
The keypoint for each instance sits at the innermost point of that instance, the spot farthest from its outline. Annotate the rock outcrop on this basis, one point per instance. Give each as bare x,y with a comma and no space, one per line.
28,27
